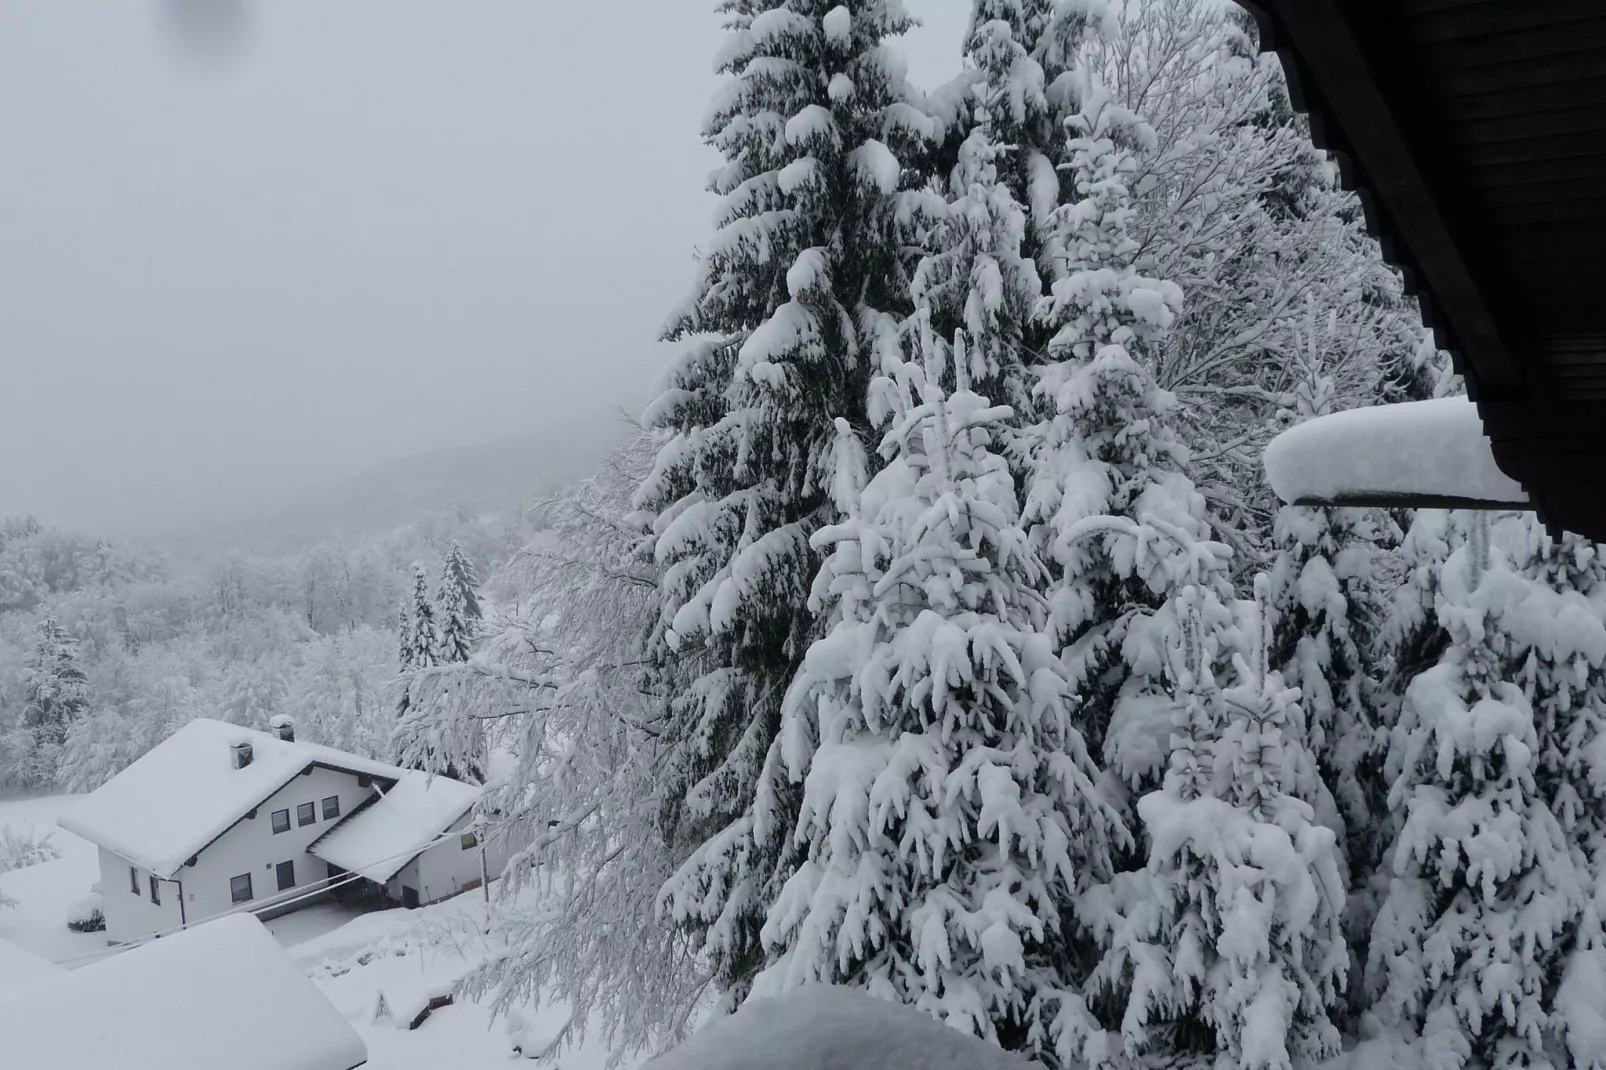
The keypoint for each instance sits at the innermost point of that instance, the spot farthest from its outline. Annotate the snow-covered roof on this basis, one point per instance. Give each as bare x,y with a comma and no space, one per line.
380,838
185,793
823,1026
23,971
220,994
1432,451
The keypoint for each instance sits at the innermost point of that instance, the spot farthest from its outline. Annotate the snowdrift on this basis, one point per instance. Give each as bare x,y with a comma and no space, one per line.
826,1028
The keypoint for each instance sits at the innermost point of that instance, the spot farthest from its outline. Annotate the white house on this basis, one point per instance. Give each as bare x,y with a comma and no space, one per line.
219,818
223,994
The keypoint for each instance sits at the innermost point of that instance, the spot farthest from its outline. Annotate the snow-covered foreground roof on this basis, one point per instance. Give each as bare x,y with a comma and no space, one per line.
826,1028
23,971
185,793
379,839
1433,452
223,994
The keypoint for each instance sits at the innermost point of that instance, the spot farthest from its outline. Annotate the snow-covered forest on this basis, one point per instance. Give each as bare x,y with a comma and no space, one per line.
936,633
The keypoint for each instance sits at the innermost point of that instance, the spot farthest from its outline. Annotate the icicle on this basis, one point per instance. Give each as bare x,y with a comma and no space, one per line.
961,364
1264,638
1479,548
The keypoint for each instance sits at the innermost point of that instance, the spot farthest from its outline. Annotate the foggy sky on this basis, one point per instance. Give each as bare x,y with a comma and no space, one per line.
242,257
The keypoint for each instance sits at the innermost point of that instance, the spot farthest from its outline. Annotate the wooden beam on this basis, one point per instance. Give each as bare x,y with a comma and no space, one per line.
1318,46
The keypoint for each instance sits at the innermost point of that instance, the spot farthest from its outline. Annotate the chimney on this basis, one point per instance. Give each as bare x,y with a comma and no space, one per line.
240,753
284,726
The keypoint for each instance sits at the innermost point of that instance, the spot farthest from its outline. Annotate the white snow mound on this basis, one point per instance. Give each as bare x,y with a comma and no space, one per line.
1417,449
821,1027
223,994
23,971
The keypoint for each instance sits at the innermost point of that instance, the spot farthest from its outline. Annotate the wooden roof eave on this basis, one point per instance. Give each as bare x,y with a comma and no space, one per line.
1330,79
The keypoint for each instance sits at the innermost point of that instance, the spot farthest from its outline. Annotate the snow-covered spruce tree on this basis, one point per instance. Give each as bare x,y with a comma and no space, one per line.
1231,949
423,641
1156,926
457,601
423,736
1108,504
1565,680
800,290
980,277
404,637
1470,940
1328,605
1282,895
1024,89
949,809
55,694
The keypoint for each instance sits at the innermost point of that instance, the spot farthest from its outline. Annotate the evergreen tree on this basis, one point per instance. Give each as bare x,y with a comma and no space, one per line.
404,637
1565,680
1328,603
1157,926
1025,89
55,694
423,640
978,278
801,290
1281,928
1109,504
1471,935
949,808
1232,949
458,602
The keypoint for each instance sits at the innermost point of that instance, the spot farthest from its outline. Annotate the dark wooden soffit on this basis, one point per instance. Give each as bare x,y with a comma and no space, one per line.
1474,133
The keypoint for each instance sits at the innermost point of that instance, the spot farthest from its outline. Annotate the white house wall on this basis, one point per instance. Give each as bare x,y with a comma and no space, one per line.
445,868
130,914
250,846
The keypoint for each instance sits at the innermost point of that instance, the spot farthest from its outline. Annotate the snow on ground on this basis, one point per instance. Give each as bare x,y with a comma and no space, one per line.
351,956
407,956
44,892
311,922
819,1026
219,994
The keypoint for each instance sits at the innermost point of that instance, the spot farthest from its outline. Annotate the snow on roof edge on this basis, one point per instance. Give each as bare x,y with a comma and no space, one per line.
1412,451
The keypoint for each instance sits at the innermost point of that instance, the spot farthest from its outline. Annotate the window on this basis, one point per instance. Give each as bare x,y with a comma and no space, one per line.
281,821
306,814
240,888
133,880
331,808
156,890
468,839
287,874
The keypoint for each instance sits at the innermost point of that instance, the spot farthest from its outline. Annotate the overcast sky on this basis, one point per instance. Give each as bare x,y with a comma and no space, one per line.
238,259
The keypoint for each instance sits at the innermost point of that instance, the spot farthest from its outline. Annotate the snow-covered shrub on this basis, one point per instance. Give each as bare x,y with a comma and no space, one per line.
85,915
23,847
